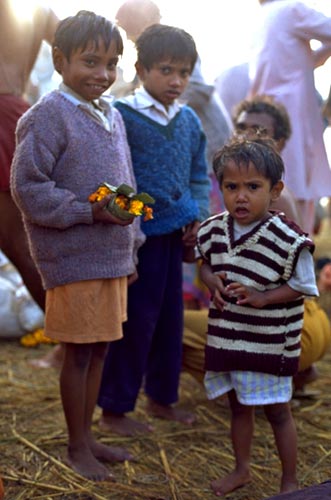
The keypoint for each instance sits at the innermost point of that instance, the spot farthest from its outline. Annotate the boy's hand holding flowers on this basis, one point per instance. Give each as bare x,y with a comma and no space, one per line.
121,202
100,213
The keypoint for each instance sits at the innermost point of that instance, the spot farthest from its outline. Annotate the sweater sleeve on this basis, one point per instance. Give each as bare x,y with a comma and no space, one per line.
199,180
33,190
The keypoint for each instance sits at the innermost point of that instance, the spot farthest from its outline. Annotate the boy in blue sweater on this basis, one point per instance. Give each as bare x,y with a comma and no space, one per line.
168,154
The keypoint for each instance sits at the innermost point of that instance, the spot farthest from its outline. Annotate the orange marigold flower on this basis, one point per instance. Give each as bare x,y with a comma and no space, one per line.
148,211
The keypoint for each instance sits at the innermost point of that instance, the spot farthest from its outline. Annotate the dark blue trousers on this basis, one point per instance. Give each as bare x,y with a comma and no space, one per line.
151,349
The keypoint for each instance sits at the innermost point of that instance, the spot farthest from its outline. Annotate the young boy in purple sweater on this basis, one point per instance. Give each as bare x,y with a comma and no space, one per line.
70,142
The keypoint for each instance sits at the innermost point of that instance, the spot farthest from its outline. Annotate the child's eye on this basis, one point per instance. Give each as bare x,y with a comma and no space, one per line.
165,70
253,186
90,62
231,187
111,66
185,73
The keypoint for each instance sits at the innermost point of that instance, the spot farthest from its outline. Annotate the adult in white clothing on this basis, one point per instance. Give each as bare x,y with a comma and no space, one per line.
283,66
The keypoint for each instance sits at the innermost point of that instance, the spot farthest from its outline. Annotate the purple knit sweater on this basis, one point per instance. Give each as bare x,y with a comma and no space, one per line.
62,156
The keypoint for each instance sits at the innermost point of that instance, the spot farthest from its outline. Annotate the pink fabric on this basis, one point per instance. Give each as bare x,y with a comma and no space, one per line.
283,67
11,109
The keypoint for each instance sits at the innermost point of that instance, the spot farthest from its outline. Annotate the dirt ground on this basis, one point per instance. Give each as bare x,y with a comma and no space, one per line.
174,462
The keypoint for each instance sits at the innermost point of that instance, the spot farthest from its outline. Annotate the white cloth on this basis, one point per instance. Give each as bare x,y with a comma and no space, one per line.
143,102
282,66
99,110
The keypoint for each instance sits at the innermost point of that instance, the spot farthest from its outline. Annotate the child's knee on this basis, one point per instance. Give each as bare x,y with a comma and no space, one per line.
278,414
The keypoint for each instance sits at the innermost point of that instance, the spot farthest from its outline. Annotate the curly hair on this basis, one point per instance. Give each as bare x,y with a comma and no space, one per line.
266,104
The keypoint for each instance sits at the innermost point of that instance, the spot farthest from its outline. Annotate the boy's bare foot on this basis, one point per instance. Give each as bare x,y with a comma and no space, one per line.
84,463
52,359
305,377
123,425
106,453
289,485
169,412
230,482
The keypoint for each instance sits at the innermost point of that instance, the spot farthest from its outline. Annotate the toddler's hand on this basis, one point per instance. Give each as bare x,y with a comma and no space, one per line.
190,234
246,295
100,214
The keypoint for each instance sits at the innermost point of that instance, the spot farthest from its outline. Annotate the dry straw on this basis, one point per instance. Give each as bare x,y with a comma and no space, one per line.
175,462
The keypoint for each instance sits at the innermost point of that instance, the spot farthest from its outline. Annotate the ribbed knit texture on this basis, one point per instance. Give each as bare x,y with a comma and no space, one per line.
243,337
169,163
62,156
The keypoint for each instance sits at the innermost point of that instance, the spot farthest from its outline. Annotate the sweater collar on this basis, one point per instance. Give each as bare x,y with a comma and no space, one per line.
144,100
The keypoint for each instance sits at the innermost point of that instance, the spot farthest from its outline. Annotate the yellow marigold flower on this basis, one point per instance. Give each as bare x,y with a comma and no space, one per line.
136,207
28,340
36,338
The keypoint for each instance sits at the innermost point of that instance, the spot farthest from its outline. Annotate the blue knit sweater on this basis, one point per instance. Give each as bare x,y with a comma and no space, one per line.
169,163
62,156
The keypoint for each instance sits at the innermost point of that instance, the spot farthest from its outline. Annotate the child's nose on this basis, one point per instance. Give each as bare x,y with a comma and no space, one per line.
241,195
176,80
102,73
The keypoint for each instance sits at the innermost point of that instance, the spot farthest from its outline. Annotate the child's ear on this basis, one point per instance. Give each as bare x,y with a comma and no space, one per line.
141,70
58,57
276,190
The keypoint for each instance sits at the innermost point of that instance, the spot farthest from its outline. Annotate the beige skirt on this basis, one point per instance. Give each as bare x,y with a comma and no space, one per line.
87,311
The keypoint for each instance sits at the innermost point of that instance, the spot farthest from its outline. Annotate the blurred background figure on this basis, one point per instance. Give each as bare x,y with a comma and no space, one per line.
283,65
20,40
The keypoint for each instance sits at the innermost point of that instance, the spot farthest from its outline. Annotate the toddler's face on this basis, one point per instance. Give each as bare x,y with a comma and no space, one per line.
247,193
90,72
166,80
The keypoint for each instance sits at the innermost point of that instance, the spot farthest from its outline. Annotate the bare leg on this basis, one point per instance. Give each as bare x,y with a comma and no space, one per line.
99,450
283,426
242,427
73,384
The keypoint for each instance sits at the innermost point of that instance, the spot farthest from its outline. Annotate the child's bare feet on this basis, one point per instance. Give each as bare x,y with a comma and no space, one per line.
231,482
52,359
84,463
169,412
106,453
123,425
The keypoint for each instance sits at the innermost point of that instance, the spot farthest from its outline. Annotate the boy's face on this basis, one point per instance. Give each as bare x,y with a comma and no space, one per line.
166,80
249,124
247,193
90,72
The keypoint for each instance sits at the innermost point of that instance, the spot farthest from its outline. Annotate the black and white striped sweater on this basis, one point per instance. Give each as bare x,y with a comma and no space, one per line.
243,337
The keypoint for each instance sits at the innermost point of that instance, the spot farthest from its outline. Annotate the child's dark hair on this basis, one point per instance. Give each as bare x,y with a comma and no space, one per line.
75,32
159,42
260,152
266,104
